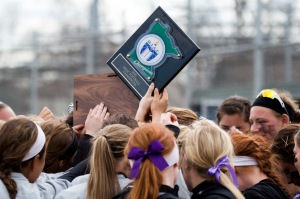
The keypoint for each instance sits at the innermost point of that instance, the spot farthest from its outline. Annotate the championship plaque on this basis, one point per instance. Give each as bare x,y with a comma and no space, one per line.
90,90
156,52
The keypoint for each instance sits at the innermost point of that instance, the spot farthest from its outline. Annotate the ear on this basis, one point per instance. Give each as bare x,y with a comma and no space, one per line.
61,163
33,163
285,119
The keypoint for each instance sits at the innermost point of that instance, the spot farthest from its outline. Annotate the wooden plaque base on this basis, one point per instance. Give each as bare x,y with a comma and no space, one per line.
90,90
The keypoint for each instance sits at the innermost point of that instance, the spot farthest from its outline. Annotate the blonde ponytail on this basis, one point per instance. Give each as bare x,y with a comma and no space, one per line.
107,148
203,147
104,167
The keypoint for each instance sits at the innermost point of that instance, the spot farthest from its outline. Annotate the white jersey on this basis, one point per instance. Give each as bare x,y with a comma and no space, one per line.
50,176
80,179
79,191
47,190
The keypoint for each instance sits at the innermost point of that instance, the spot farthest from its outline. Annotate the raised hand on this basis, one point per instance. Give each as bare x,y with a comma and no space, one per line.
159,105
46,114
144,106
95,119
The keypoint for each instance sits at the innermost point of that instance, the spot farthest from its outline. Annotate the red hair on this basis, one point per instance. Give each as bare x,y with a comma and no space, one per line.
257,148
147,185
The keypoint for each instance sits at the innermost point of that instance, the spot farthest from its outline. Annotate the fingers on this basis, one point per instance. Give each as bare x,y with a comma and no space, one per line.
103,113
83,132
156,95
107,115
173,117
141,123
78,127
176,123
45,112
165,95
90,112
48,117
95,110
100,109
150,90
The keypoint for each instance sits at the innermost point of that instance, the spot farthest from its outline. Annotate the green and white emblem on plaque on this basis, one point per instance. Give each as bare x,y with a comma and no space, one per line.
152,49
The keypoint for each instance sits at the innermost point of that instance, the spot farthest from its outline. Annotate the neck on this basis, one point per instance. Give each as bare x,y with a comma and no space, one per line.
250,177
169,177
195,179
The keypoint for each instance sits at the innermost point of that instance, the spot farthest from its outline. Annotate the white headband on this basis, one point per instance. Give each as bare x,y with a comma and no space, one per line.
244,161
37,146
171,159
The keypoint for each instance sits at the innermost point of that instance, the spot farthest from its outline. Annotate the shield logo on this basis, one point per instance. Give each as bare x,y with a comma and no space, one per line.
153,48
148,50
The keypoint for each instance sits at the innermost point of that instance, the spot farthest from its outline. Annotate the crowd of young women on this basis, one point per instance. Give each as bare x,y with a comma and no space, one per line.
251,151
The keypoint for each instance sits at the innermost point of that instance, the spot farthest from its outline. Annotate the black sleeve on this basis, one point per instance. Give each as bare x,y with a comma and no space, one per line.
83,150
173,128
80,169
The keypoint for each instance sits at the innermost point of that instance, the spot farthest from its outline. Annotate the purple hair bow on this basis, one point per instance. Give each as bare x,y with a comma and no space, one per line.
223,162
153,154
1,102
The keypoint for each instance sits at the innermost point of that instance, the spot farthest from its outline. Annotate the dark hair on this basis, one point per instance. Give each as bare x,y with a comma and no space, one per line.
234,105
121,119
283,144
69,119
16,138
59,136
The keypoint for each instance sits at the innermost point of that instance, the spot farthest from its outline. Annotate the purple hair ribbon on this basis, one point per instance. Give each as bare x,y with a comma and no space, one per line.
223,162
1,102
153,154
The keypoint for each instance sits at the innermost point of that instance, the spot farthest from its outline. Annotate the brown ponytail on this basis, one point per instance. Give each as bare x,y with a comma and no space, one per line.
16,138
59,136
257,148
147,184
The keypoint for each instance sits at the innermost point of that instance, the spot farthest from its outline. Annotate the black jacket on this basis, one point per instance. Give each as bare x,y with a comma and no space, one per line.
83,149
211,190
165,192
265,189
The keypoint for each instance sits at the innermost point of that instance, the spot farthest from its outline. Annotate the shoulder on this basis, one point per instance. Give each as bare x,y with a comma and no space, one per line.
50,176
167,196
3,191
123,194
124,182
80,179
76,191
265,189
217,191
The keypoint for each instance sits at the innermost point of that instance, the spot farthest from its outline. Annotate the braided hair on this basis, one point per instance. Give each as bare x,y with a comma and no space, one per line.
257,148
16,138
